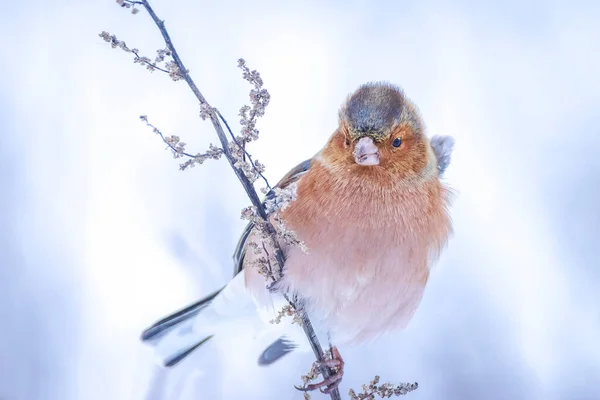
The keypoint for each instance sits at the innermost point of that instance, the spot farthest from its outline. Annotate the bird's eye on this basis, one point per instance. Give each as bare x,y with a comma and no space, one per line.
347,142
397,142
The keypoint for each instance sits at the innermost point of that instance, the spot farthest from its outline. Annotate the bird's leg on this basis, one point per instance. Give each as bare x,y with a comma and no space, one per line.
332,381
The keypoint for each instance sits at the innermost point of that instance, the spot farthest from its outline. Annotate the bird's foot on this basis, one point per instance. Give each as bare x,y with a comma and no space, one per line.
331,382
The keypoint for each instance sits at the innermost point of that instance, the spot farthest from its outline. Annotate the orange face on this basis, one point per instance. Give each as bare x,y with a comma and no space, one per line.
401,156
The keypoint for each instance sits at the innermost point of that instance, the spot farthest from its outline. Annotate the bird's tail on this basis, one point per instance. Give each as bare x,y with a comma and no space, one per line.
179,334
173,336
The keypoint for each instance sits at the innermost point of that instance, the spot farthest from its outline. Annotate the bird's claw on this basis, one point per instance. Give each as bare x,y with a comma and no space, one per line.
330,383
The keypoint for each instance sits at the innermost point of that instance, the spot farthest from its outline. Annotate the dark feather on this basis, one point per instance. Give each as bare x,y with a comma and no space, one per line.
172,361
161,327
275,351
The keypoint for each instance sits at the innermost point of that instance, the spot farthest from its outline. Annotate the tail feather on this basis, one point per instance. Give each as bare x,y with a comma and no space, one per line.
275,351
178,335
162,327
173,337
222,312
174,358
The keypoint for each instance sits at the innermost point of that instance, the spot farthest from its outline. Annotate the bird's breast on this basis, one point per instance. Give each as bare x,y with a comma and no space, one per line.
369,251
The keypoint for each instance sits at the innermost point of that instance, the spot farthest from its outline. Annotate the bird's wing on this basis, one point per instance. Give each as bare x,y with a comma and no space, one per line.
442,147
292,176
176,336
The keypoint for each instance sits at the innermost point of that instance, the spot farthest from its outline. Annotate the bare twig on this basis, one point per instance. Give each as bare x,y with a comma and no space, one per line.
243,147
178,148
138,58
318,351
247,185
171,68
384,390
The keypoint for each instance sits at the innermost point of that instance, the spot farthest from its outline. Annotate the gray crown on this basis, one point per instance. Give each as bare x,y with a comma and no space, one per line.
375,109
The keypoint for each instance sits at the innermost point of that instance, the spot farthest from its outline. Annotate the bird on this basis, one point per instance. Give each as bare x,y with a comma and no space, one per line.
373,212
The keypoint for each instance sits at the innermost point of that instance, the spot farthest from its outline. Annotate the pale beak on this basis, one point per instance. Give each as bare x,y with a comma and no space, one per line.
366,152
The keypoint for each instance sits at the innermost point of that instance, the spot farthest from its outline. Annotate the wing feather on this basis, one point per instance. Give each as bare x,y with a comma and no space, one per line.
292,176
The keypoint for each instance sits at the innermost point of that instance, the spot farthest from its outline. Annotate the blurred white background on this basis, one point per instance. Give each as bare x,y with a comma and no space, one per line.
101,234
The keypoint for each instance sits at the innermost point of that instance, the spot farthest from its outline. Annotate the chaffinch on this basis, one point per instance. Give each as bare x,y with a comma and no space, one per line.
373,214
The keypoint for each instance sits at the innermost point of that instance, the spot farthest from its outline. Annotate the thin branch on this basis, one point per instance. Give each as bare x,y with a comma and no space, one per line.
384,390
173,148
141,59
318,351
241,146
248,187
269,262
115,42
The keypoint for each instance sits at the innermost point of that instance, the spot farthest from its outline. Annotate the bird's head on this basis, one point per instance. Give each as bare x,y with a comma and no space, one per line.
380,132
